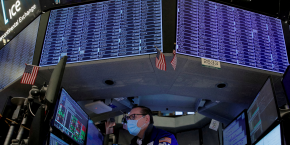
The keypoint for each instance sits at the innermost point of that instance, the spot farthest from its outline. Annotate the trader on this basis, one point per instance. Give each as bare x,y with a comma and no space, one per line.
140,124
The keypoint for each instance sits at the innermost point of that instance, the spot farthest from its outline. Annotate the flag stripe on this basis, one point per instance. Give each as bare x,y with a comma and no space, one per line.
174,60
29,74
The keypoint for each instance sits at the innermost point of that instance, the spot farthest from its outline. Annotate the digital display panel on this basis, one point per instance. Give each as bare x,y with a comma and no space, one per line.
94,137
71,119
236,132
232,35
286,84
263,111
272,138
54,140
109,29
16,53
15,15
178,113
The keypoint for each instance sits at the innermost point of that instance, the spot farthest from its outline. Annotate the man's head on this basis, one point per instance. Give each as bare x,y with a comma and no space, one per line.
143,115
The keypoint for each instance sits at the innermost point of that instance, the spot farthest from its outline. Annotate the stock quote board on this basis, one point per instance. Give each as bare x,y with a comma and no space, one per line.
232,35
103,30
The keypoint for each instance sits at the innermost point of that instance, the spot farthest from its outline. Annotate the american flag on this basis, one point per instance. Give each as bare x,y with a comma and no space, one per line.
174,60
29,74
160,60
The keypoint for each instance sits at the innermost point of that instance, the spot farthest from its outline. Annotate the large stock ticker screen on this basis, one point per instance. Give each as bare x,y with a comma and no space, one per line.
102,30
232,35
71,119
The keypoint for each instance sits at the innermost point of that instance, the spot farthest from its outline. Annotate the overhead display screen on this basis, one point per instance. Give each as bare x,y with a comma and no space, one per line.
228,34
286,84
71,119
236,132
272,138
16,53
54,140
263,112
15,15
103,30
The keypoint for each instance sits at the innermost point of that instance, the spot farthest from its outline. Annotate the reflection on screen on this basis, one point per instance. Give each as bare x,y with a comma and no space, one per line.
272,138
71,119
54,140
263,111
94,137
235,133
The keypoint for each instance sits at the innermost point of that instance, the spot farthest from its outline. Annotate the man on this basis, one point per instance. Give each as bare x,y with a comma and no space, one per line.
140,124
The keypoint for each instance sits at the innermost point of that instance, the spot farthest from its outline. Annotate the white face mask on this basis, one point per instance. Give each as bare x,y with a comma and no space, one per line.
133,128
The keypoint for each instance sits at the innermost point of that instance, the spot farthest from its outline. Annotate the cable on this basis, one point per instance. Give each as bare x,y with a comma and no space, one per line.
30,109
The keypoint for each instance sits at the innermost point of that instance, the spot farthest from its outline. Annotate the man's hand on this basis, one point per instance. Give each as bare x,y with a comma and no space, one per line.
109,126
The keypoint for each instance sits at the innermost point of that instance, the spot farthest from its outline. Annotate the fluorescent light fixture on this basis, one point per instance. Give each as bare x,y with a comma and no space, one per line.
178,113
190,113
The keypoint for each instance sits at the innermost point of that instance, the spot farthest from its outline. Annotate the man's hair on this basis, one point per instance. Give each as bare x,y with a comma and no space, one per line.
146,111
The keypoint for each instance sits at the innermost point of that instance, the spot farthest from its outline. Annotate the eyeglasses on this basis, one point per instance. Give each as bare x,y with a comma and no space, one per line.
133,116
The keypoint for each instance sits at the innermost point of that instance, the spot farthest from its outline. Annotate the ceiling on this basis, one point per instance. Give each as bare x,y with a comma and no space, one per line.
178,90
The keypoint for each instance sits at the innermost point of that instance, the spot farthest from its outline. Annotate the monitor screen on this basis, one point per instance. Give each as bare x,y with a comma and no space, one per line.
16,53
54,140
216,31
263,111
94,136
236,132
103,30
286,84
272,138
71,119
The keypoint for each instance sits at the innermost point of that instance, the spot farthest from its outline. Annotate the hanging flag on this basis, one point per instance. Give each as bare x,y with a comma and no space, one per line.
160,60
174,60
29,74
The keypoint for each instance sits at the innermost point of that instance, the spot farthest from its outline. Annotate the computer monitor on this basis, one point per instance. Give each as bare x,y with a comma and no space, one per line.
272,138
263,112
94,136
286,83
54,140
237,131
70,118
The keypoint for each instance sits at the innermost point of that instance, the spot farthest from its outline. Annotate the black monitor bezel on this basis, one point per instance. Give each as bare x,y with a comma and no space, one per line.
286,71
277,109
247,126
269,130
55,111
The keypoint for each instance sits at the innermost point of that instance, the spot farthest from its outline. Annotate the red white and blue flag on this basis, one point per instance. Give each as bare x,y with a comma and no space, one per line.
29,74
174,60
160,60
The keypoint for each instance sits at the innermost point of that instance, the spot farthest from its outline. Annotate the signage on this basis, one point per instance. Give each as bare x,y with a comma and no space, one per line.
211,63
16,15
232,35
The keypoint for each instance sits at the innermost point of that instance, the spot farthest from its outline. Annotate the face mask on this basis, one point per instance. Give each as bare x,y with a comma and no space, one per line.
133,128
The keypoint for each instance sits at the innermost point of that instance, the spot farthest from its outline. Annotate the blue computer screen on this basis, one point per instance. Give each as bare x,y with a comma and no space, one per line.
54,140
71,119
263,111
94,136
272,138
16,53
236,132
212,30
102,30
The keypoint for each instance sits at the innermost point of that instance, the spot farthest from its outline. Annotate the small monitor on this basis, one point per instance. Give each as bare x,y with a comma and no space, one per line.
70,118
286,83
178,113
236,132
263,112
94,136
54,140
272,138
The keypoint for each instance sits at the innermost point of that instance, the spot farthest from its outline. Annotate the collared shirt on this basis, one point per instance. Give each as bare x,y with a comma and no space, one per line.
155,136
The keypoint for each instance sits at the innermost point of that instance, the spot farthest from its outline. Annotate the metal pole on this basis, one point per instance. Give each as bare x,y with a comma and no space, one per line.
21,129
11,129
